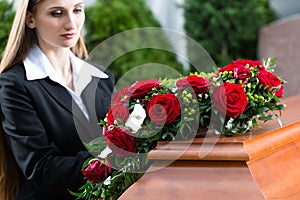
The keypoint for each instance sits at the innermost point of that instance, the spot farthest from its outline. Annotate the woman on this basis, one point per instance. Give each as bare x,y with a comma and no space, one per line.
44,115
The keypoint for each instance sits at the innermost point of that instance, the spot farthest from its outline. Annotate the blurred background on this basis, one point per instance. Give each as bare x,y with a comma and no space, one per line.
226,29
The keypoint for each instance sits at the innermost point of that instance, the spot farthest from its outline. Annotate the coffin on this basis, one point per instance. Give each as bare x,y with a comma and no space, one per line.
263,165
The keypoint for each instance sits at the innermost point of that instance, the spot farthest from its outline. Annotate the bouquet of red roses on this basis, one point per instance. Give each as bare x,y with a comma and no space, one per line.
228,101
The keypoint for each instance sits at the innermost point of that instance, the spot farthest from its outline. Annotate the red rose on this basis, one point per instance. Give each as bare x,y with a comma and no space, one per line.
279,93
96,171
251,63
120,141
269,80
163,108
199,84
240,71
121,95
141,88
117,111
230,99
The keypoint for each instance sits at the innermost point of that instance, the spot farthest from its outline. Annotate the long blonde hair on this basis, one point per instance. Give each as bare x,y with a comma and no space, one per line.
20,40
9,172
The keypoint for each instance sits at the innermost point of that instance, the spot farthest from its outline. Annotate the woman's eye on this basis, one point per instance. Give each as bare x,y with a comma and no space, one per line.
56,13
78,10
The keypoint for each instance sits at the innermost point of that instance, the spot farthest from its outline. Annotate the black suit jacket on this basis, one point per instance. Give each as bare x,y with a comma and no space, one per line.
45,130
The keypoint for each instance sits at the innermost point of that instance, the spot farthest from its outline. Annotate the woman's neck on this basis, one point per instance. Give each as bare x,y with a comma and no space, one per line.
60,61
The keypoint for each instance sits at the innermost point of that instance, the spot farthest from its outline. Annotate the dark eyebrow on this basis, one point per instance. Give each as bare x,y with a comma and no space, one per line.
59,7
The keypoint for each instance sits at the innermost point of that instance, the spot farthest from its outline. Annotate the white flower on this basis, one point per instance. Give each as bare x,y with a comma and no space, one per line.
107,181
104,153
136,118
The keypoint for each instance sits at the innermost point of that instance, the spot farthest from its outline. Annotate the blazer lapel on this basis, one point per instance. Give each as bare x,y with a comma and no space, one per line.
59,93
87,129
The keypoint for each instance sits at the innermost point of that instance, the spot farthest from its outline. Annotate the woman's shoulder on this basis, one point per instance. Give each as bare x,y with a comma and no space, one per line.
14,72
13,78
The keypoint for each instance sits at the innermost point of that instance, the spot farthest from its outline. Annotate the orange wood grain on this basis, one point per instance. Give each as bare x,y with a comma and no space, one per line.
196,181
197,150
274,157
278,174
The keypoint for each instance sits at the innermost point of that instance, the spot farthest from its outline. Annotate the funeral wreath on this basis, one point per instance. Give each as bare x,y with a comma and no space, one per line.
239,94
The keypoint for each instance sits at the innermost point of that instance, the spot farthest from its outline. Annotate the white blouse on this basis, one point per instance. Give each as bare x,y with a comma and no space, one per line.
37,66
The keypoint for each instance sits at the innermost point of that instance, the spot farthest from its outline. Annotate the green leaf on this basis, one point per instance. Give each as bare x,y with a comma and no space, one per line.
96,145
263,109
265,118
165,135
254,122
244,116
280,106
76,194
276,98
96,192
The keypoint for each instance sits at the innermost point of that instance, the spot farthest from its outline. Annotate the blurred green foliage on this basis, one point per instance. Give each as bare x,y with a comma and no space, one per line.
6,17
106,18
227,29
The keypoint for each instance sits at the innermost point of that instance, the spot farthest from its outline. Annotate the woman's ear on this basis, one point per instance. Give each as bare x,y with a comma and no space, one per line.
29,20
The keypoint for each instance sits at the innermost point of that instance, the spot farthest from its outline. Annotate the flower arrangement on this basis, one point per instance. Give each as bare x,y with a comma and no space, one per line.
238,94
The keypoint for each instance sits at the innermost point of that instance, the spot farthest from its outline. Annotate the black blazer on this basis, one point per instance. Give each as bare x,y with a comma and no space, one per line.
45,130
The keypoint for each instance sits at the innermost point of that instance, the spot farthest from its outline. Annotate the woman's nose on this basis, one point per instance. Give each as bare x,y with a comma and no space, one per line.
70,22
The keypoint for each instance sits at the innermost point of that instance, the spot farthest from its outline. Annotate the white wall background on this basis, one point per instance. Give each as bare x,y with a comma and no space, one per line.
170,16
285,8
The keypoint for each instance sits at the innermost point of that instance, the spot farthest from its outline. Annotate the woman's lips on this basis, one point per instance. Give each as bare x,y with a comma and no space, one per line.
69,35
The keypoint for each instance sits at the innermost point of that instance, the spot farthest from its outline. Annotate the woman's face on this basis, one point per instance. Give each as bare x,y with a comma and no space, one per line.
57,23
